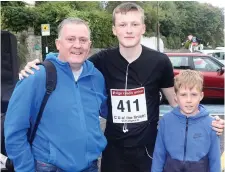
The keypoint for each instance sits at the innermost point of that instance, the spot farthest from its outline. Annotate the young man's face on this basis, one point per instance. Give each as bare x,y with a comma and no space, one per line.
188,100
74,43
129,28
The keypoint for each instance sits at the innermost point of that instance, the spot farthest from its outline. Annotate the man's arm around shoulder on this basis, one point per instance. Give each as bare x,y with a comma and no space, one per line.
214,153
98,59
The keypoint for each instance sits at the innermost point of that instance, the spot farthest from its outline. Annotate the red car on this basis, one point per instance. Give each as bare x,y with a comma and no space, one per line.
211,68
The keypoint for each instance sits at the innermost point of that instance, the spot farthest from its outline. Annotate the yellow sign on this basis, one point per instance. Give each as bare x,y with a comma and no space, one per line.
45,29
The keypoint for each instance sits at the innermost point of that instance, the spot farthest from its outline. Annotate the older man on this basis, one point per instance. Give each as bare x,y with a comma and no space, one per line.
69,137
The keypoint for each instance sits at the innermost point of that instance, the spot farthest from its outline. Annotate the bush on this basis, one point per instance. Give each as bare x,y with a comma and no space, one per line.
17,18
173,42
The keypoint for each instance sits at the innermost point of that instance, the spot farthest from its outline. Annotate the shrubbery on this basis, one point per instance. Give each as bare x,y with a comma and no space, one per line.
177,20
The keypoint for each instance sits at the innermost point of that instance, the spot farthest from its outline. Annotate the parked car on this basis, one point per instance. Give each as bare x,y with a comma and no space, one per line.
218,53
220,48
212,70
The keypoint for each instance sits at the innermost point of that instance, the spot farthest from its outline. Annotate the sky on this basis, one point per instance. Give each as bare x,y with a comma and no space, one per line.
217,3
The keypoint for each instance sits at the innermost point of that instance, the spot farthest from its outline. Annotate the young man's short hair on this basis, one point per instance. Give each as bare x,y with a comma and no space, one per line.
188,78
127,7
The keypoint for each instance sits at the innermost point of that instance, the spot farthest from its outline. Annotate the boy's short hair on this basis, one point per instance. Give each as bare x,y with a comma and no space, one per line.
188,78
127,7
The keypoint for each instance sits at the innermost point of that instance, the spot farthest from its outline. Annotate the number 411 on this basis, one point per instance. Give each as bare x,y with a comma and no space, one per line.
121,105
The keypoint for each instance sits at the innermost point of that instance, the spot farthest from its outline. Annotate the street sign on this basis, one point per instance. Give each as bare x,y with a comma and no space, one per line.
45,29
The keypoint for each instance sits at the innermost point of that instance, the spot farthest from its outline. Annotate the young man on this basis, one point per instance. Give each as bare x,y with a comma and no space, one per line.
185,140
134,75
69,137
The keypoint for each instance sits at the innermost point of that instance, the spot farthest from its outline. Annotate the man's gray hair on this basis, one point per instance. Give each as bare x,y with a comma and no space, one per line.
74,21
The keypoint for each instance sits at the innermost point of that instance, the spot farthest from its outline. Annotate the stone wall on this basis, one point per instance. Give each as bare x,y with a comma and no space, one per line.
29,47
34,46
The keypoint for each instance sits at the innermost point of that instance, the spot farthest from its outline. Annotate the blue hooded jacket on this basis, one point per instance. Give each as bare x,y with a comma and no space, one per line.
69,134
186,143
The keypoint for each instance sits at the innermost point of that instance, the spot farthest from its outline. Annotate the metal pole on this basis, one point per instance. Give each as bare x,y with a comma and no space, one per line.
46,48
158,25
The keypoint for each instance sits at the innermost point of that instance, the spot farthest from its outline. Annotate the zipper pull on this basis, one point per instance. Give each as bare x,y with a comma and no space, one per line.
186,123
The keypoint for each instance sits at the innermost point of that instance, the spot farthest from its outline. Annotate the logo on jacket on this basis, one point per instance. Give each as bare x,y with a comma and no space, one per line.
197,135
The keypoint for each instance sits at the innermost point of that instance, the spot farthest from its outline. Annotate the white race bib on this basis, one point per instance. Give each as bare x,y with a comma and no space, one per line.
129,106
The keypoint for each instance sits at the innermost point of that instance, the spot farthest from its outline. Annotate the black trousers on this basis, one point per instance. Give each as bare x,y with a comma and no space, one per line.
120,159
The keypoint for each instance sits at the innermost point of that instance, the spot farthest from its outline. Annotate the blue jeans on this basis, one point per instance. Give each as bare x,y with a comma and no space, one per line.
45,167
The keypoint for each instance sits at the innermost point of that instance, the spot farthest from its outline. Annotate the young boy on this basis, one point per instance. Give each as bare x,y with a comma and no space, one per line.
185,141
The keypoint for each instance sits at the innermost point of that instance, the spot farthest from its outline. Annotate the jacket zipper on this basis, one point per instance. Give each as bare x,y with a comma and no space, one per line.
83,122
185,143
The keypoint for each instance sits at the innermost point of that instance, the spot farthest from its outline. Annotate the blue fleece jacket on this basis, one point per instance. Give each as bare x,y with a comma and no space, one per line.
69,134
186,143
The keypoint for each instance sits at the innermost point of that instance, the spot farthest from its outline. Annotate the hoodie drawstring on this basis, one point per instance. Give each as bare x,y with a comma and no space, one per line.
125,129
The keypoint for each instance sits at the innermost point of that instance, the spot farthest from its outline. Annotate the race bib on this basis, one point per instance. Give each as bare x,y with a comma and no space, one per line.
128,106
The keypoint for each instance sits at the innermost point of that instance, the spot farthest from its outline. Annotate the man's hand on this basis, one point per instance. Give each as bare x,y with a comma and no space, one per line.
27,69
218,125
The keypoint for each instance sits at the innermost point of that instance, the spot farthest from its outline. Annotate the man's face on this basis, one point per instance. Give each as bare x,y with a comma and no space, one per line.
188,100
129,28
74,43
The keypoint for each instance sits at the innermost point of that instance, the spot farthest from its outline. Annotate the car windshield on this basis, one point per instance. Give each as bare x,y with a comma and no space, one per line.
205,64
179,62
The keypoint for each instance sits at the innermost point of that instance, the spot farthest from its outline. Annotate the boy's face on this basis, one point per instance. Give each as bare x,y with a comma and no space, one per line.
129,28
189,99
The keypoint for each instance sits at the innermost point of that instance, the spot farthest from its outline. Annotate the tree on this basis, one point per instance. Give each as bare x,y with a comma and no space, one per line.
13,3
86,5
38,3
17,18
150,18
111,5
201,20
52,13
177,19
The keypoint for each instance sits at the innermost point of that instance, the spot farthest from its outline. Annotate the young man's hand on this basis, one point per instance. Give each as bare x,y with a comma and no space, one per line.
218,125
27,69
